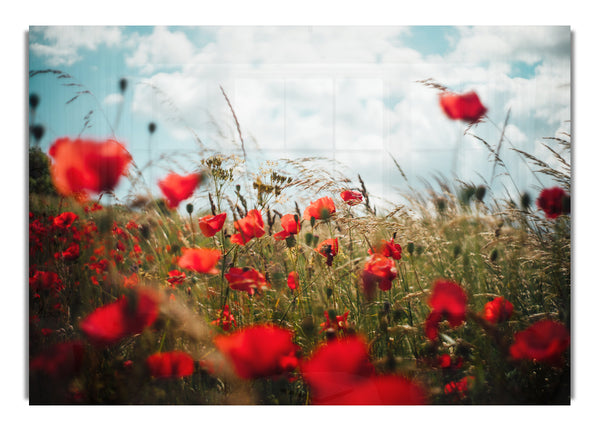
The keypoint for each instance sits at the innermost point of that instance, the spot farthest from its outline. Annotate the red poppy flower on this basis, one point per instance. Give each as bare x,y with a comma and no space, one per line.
259,351
466,107
497,311
176,277
459,388
378,271
210,225
225,320
251,226
351,198
340,324
132,281
65,220
85,166
381,390
71,253
388,249
170,364
321,209
340,373
448,301
60,360
553,202
293,280
200,259
111,323
329,249
246,280
45,280
336,366
290,226
544,341
446,361
93,207
176,188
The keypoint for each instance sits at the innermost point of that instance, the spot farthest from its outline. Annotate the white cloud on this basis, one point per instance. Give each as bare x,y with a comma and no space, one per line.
511,43
62,45
113,99
161,48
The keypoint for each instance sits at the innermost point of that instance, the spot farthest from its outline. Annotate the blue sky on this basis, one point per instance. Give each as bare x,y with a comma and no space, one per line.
345,93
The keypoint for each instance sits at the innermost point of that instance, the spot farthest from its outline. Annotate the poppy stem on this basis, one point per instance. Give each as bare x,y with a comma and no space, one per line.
164,336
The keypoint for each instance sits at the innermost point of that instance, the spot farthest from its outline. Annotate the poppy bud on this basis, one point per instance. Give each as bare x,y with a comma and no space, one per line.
238,188
390,363
440,203
308,325
189,208
480,193
145,231
312,221
290,241
329,292
308,238
525,200
332,315
386,307
466,194
34,100
566,204
383,323
456,250
410,247
151,128
37,131
122,85
494,255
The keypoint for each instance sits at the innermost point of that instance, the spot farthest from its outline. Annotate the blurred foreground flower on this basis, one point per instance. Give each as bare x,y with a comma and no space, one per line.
176,188
84,166
340,373
259,351
498,310
466,107
553,202
60,360
201,260
544,341
351,198
127,316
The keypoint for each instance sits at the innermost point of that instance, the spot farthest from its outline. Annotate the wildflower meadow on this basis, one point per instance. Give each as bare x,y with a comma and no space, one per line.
288,285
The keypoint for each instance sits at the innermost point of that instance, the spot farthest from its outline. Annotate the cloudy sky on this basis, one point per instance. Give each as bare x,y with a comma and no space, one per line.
346,93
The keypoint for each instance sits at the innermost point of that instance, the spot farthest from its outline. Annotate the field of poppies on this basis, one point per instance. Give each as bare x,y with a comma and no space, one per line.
458,297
